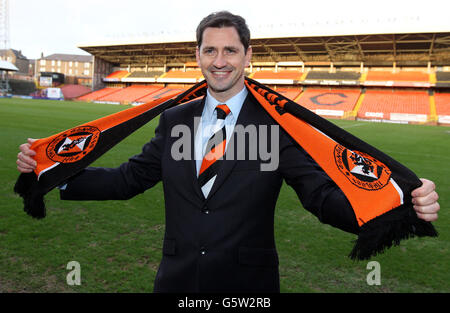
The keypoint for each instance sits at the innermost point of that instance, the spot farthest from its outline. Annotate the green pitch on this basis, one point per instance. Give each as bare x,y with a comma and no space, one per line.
118,243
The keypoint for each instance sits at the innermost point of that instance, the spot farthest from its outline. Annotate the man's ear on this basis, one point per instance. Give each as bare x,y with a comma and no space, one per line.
197,56
248,56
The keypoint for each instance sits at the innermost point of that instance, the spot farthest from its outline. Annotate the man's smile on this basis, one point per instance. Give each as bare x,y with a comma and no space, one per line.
220,74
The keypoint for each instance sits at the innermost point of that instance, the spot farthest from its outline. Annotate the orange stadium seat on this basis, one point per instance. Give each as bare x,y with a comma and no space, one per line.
395,105
180,74
99,93
168,91
284,74
290,93
130,94
405,76
117,75
329,102
442,101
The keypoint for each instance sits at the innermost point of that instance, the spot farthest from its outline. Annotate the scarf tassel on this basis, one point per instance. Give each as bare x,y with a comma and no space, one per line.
388,230
33,198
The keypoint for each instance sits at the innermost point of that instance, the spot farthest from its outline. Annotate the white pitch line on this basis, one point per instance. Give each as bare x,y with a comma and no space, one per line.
353,125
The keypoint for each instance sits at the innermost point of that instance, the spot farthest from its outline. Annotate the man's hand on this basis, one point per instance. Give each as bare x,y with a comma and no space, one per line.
25,161
425,202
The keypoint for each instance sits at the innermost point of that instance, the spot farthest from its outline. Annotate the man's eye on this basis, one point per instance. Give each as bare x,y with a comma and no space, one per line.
209,51
230,51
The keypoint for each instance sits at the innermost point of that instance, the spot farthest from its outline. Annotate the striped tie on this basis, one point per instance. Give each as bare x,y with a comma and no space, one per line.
215,149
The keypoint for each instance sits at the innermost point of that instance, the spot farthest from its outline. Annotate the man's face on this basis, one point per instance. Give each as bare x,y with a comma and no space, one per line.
223,59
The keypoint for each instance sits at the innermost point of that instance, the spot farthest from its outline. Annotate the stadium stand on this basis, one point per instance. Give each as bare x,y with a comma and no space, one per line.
98,94
402,106
442,101
329,102
365,76
129,94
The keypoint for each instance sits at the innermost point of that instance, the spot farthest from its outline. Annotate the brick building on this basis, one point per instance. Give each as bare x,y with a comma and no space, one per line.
77,69
18,59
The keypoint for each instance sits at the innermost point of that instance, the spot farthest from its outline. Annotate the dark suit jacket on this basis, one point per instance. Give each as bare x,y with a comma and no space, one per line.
224,243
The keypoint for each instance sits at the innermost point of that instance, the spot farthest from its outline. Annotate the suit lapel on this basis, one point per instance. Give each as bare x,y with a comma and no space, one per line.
192,168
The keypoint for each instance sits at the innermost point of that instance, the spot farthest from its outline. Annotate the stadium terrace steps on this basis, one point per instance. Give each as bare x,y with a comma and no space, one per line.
354,113
330,102
401,106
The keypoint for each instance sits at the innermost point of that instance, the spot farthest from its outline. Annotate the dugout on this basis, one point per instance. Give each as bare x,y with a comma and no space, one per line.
5,68
51,79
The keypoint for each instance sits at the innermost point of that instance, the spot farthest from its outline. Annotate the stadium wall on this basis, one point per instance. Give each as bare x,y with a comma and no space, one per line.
101,70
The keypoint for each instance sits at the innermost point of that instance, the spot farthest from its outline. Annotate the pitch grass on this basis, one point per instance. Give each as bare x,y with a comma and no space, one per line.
118,243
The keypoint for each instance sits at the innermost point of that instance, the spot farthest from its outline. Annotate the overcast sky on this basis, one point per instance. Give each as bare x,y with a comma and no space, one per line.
59,26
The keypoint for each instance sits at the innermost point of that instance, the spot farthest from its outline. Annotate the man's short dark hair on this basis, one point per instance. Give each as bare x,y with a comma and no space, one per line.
225,19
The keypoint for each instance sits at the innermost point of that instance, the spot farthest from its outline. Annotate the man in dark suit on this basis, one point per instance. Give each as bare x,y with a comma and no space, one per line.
220,202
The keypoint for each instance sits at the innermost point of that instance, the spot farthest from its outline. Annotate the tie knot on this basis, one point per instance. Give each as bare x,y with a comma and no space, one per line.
222,111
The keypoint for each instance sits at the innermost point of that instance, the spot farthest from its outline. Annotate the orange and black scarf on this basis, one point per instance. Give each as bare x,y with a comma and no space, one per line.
377,187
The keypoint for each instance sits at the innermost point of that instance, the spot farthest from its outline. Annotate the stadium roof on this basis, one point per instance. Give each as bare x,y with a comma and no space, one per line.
7,66
406,49
69,57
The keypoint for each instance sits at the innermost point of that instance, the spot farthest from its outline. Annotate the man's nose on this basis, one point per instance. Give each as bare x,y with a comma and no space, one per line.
220,61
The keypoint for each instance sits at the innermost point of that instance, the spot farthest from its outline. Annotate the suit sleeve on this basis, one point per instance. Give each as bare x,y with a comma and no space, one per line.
315,189
140,173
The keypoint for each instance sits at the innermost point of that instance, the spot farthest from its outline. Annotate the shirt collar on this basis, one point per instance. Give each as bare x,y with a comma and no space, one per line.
234,103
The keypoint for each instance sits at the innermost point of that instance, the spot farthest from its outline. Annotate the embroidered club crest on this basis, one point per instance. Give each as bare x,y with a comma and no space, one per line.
361,169
73,144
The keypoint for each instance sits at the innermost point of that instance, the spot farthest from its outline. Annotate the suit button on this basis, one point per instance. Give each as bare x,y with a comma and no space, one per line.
202,251
205,210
